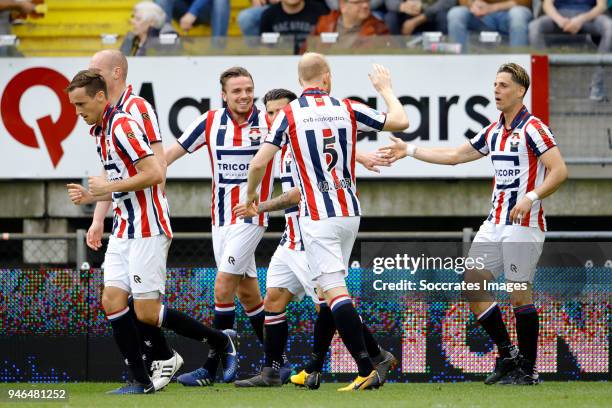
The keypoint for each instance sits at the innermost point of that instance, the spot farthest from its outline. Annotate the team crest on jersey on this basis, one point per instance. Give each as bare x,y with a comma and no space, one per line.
254,134
145,116
514,142
130,135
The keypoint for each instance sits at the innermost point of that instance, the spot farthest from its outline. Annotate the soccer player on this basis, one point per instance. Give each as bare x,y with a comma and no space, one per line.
528,168
289,276
232,136
321,132
161,361
135,260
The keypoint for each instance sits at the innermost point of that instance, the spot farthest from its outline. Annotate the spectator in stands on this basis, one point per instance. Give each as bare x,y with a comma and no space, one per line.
249,19
352,21
292,17
377,7
194,12
508,17
148,22
6,7
406,17
570,17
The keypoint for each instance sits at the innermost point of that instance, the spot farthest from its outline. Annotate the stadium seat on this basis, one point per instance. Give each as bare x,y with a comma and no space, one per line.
73,27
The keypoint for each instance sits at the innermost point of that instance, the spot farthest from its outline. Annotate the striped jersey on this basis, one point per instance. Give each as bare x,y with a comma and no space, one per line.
231,146
142,112
518,170
121,143
322,134
292,236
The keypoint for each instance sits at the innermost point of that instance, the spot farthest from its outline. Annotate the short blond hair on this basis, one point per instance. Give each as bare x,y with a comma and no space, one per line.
517,73
312,66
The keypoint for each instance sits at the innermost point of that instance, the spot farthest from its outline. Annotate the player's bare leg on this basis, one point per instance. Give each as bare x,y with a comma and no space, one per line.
253,305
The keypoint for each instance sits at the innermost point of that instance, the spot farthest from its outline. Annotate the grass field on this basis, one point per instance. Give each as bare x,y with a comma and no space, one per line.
549,394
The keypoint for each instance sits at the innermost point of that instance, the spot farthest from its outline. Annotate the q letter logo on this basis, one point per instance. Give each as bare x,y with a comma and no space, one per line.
53,133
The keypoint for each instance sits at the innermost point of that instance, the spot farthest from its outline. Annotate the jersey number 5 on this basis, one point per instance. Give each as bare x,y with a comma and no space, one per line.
331,155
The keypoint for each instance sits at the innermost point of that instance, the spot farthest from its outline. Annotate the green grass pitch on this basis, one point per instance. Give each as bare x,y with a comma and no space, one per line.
548,394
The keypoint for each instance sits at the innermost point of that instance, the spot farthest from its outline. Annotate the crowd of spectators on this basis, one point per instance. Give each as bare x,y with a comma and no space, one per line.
535,23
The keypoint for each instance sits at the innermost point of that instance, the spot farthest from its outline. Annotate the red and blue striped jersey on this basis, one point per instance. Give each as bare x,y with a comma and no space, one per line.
231,146
142,112
121,143
518,170
322,133
292,236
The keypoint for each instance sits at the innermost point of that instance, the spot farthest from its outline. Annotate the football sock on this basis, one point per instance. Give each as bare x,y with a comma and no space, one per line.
275,338
127,338
527,331
153,342
224,316
350,329
491,320
223,319
371,345
324,330
187,326
257,316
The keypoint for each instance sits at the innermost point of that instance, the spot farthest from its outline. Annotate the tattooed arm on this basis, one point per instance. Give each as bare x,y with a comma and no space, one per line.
285,200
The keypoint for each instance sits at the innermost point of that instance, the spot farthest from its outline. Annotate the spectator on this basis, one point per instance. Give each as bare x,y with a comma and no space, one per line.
410,16
292,17
148,22
194,12
352,21
570,17
510,17
249,19
376,6
6,7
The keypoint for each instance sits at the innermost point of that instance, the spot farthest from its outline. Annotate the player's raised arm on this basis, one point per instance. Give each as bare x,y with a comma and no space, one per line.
437,155
397,119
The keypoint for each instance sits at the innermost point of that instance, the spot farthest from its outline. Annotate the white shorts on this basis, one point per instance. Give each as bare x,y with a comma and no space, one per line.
289,269
328,243
137,265
510,249
234,247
